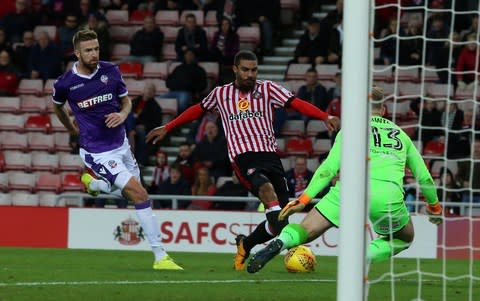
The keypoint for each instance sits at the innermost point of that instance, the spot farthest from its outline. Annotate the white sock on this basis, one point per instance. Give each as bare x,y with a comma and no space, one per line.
151,227
100,185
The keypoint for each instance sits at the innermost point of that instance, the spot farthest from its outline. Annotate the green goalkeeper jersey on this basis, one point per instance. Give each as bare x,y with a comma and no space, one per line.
390,151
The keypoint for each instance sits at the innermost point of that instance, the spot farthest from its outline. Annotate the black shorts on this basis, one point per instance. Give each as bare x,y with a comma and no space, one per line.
269,164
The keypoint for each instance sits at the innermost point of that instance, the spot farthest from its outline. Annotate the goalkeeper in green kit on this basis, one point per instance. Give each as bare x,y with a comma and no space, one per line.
390,150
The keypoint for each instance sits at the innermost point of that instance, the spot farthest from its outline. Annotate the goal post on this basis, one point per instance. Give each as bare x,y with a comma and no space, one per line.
353,171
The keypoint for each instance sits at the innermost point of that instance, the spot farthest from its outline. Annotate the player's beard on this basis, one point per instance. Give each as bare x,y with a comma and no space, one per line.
246,84
91,66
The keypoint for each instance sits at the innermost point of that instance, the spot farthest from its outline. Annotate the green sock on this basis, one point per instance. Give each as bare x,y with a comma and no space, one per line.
382,249
293,235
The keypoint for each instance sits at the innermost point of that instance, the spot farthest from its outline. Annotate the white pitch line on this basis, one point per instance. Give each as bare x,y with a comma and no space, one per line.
122,282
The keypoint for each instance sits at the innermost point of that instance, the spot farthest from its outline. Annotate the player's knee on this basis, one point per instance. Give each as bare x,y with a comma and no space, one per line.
260,183
134,191
266,192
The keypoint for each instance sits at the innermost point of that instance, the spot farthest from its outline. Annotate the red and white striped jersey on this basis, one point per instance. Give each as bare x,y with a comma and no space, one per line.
247,117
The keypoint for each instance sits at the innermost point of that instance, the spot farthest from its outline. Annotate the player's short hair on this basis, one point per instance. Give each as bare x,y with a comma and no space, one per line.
244,55
82,36
377,97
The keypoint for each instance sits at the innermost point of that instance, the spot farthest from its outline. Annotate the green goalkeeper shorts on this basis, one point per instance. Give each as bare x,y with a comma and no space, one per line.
388,213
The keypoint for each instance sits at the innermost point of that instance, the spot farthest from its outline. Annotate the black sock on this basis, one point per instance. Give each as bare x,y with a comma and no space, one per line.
258,236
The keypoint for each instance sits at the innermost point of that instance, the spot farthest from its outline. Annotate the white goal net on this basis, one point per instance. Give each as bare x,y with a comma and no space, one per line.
427,60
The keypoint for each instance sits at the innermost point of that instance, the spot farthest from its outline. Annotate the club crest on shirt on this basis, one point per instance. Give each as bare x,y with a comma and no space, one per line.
256,94
250,171
104,79
243,104
112,164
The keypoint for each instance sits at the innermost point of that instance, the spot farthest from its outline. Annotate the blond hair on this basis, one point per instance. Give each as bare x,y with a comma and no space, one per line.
377,97
82,36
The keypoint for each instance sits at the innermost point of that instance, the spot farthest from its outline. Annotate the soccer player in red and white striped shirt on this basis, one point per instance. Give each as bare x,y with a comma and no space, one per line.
246,107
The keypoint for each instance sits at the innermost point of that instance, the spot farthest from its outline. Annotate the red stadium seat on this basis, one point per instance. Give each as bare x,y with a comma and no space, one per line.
249,37
71,182
57,126
48,182
21,181
137,16
13,141
9,104
160,85
434,148
120,51
135,87
15,160
44,162
299,147
211,18
168,51
131,69
116,17
169,33
62,142
40,141
166,17
211,68
156,70
38,123
48,86
8,83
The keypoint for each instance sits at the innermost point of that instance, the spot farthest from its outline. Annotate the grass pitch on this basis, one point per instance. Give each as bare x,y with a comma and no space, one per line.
88,275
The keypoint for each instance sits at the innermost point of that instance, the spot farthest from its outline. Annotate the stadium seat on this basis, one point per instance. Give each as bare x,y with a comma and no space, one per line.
210,33
30,86
312,164
131,69
137,16
44,162
3,181
38,123
15,160
71,182
156,70
119,51
326,71
5,199
211,18
166,17
57,126
41,141
117,17
48,86
382,73
48,199
62,142
428,75
160,85
13,141
410,90
287,163
172,66
135,87
9,104
48,182
169,33
296,71
293,85
24,199
168,105
249,34
198,16
168,52
32,103
281,146
21,181
321,146
293,128
211,68
299,147
314,127
406,73
434,148
51,30
440,91
70,162
121,34
11,122
222,180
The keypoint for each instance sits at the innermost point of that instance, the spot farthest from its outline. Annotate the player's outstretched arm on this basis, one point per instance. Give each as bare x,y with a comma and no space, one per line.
189,115
307,109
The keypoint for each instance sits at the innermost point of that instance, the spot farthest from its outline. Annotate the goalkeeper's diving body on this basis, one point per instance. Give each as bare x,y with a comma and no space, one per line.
390,150
246,107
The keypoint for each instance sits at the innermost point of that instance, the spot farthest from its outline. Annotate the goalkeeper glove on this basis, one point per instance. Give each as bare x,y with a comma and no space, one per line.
293,207
435,213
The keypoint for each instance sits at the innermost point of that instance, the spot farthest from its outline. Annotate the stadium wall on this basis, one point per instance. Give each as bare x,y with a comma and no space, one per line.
197,231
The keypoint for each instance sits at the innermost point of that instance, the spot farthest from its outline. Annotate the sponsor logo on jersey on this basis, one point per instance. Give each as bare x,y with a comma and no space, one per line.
245,115
95,100
76,86
243,104
104,79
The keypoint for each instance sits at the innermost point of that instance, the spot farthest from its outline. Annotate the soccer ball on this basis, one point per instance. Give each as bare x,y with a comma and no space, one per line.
300,260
